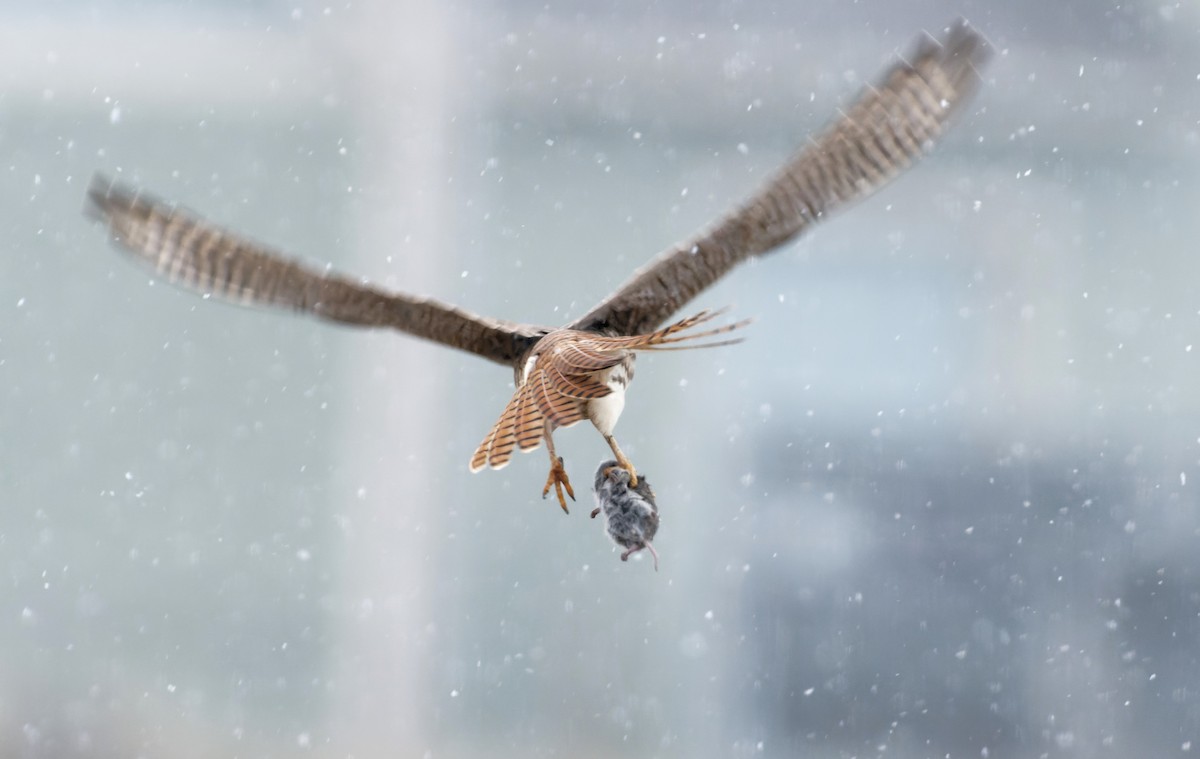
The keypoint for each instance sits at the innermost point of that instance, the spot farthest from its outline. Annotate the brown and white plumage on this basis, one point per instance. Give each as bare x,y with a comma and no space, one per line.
880,134
192,252
580,371
568,377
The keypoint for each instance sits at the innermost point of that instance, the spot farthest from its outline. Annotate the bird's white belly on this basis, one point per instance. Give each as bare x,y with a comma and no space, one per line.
604,412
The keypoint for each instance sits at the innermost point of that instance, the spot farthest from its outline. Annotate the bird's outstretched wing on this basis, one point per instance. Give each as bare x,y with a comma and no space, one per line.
190,251
887,128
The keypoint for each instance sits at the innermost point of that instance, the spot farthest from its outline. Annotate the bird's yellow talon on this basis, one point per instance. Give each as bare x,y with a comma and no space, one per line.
558,479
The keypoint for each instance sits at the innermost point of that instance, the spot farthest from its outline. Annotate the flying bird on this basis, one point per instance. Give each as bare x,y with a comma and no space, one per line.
581,370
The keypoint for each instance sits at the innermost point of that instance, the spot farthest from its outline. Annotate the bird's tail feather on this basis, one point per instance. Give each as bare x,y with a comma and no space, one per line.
668,337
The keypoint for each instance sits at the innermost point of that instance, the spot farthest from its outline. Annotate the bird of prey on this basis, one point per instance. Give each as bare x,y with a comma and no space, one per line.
580,371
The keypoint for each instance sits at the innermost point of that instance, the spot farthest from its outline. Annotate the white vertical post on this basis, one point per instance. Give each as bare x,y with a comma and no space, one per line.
398,55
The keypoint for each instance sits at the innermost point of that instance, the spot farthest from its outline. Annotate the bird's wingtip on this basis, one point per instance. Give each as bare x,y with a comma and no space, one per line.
96,203
955,43
965,42
106,195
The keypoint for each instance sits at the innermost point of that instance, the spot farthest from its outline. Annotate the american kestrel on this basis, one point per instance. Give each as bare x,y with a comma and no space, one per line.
580,371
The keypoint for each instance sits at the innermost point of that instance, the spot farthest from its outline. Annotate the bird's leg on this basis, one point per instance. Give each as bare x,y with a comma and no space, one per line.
622,461
558,475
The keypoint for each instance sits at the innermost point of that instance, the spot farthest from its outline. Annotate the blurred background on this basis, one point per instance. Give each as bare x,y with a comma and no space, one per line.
941,502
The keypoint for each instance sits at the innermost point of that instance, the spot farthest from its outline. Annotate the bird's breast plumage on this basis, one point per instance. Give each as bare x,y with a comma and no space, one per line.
604,412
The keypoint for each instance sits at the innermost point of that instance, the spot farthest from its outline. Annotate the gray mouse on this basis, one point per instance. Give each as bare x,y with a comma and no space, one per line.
630,515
